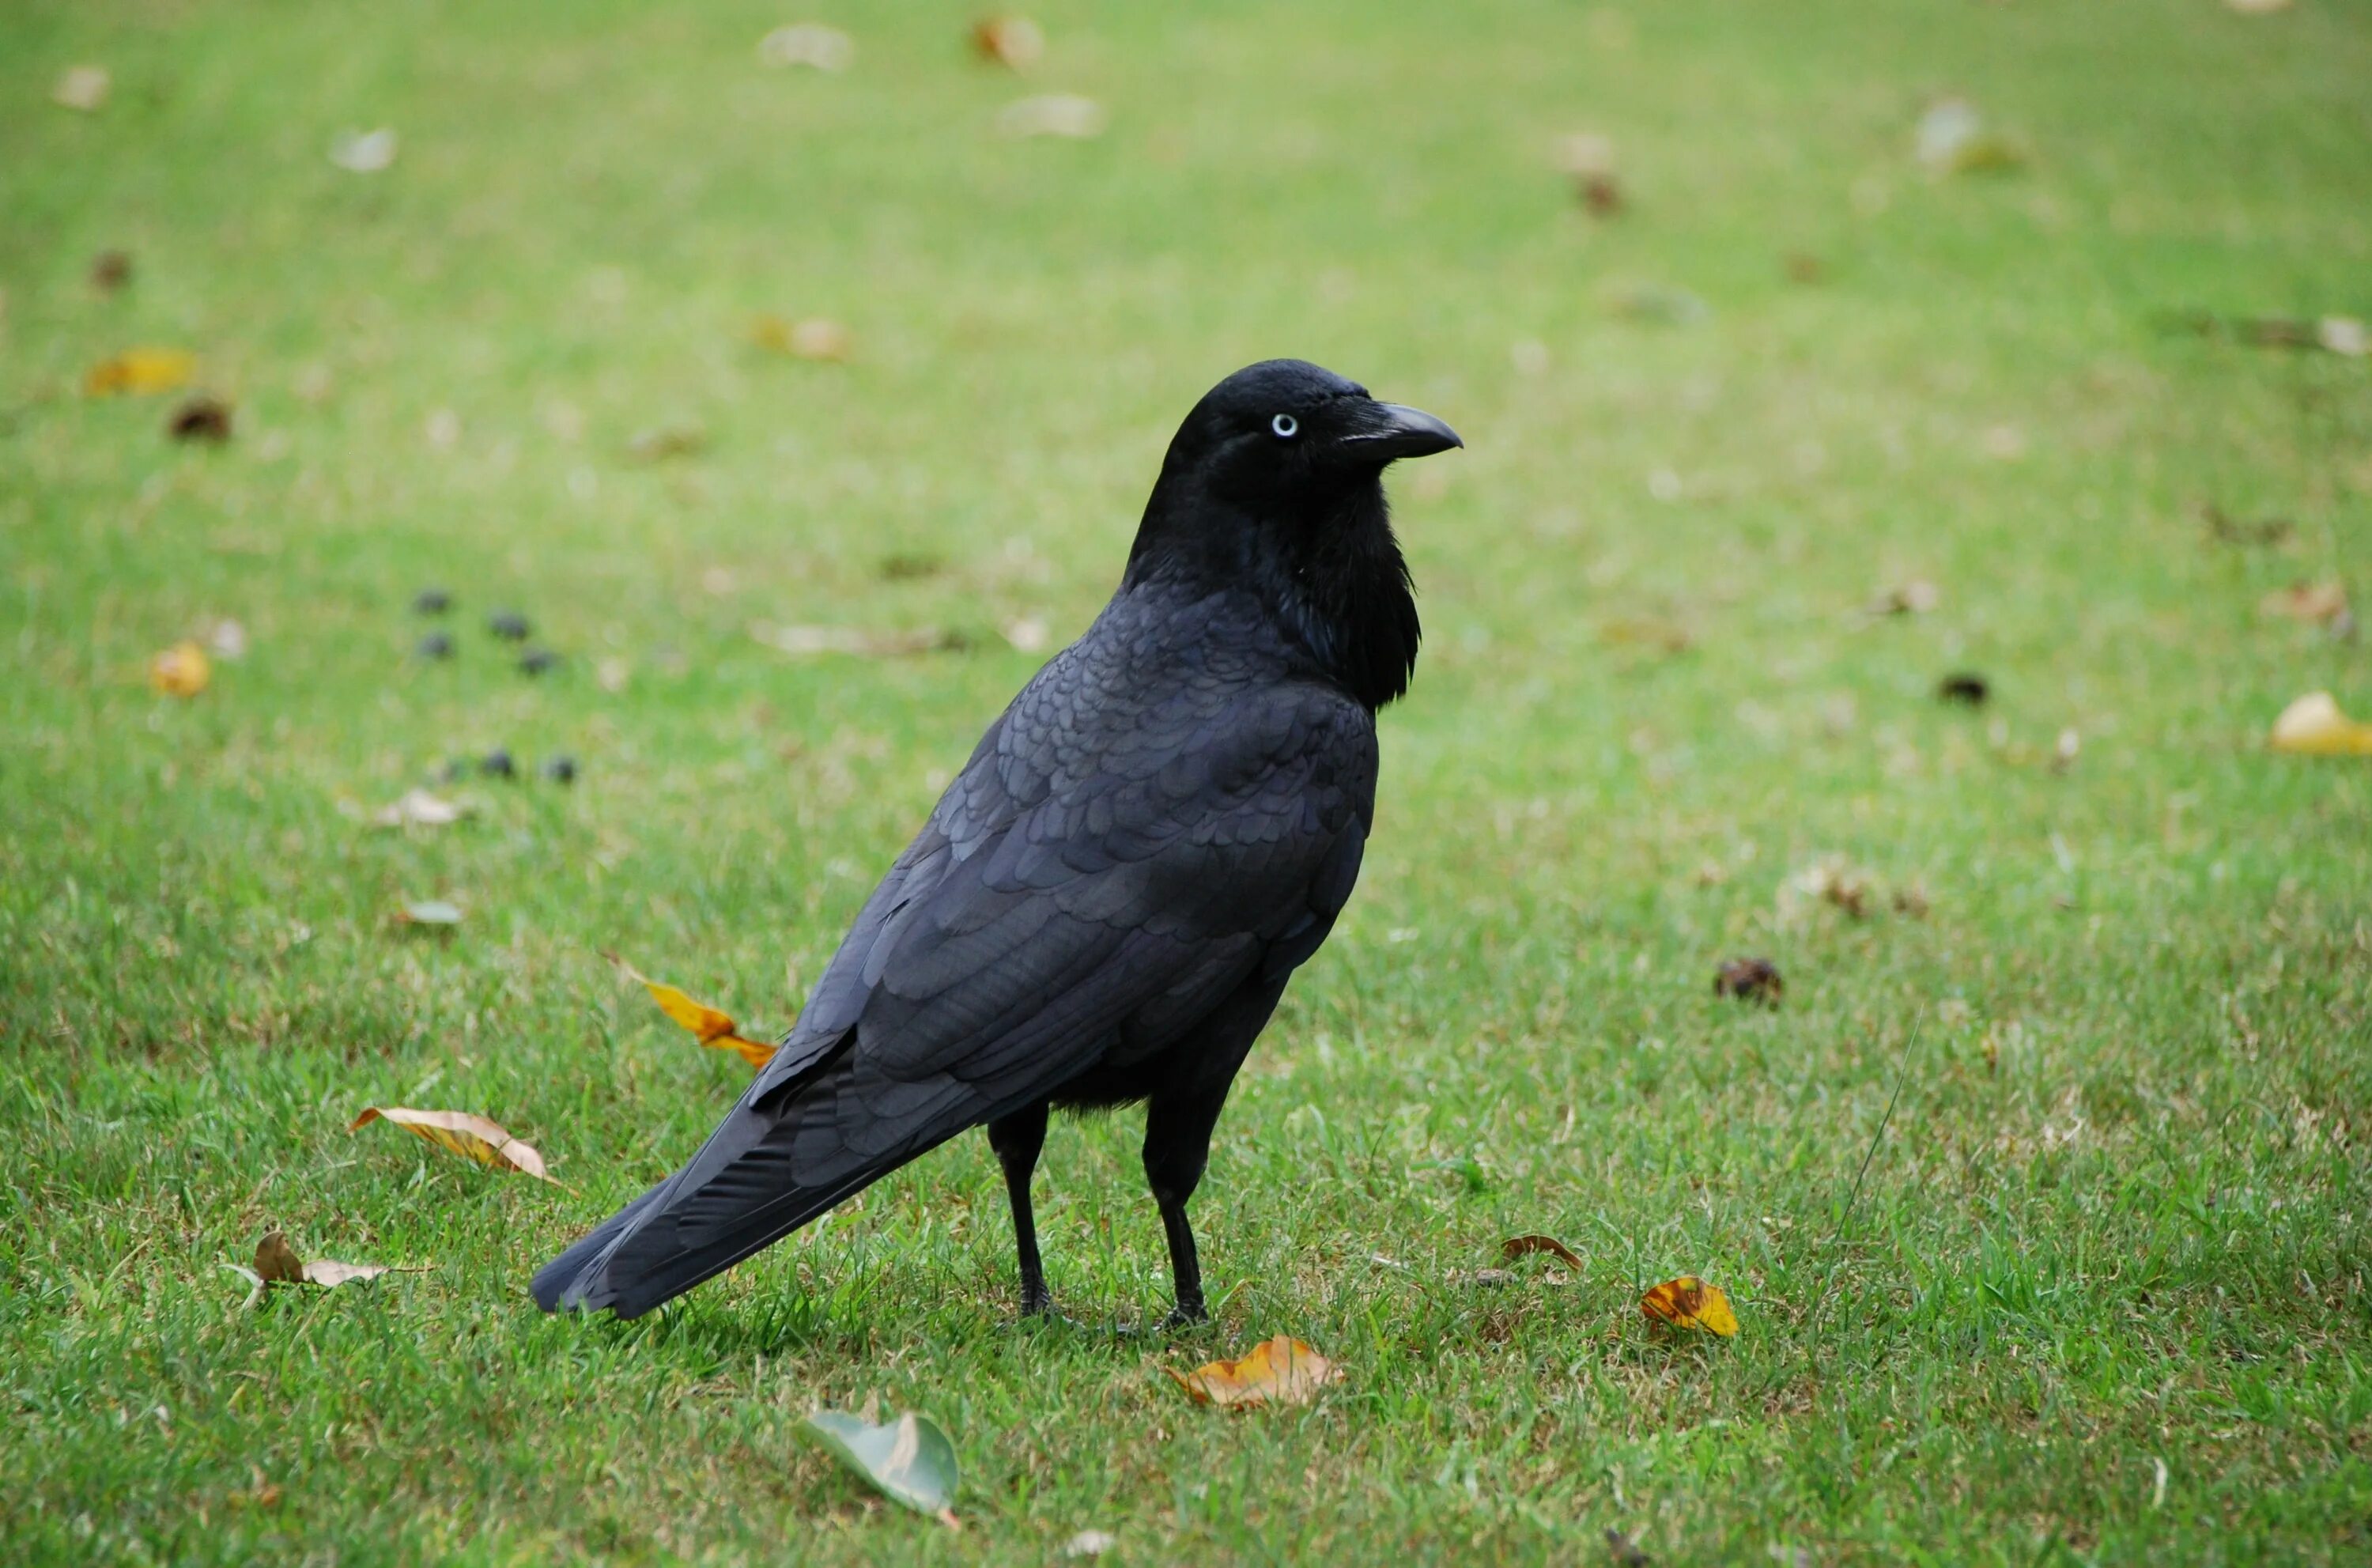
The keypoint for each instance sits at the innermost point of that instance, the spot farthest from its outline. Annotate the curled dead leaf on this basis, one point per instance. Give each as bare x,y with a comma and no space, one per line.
812,337
182,671
710,1026
140,371
1688,1303
2314,726
1517,1246
276,1263
1277,1371
1015,42
201,419
1751,980
473,1137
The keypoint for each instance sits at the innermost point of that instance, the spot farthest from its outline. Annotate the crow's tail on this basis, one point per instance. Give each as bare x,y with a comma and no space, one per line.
761,1175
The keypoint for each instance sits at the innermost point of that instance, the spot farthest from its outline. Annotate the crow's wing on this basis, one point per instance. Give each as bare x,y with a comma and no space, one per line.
1064,908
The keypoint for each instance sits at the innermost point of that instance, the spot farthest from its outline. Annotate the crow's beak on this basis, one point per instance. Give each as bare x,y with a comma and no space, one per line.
1387,431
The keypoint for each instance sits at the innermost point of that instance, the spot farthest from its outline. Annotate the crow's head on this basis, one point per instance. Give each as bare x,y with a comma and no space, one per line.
1275,485
1285,436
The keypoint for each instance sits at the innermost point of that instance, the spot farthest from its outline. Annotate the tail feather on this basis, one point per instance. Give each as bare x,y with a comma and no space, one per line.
761,1175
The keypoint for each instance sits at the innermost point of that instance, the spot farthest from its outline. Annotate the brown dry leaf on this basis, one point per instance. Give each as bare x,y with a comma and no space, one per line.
2314,726
110,269
1052,114
140,371
418,807
276,1263
1751,980
1832,881
1690,1303
471,1137
201,418
807,640
711,1025
812,337
1517,1246
1646,631
1015,42
2318,602
182,671
1281,1371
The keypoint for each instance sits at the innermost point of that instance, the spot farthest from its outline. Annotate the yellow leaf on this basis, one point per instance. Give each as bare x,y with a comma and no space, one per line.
140,370
182,671
2313,726
471,1137
814,338
1279,1371
710,1026
1012,41
1690,1303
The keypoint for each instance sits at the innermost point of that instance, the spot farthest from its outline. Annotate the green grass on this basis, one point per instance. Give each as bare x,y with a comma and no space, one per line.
2119,1218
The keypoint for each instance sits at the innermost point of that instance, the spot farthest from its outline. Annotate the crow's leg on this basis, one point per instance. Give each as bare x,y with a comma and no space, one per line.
1177,1144
1017,1140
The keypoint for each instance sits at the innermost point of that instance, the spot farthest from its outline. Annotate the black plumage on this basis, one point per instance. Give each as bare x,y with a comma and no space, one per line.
1106,903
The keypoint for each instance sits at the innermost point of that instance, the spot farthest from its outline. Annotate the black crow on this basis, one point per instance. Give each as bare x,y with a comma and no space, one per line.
1106,902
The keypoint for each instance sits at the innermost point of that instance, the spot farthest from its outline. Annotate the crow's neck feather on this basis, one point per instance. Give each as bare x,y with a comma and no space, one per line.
1332,579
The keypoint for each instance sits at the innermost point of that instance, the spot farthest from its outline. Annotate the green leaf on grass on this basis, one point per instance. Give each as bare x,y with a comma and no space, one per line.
908,1461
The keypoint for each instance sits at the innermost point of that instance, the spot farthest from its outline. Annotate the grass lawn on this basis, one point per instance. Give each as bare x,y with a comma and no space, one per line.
2103,1294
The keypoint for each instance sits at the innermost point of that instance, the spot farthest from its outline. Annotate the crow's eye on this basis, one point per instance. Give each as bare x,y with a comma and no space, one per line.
1284,426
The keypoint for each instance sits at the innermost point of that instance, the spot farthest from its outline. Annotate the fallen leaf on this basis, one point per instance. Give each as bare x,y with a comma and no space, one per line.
2314,726
1090,1543
182,671
276,1263
1916,597
471,1137
110,269
813,337
711,1025
201,419
1646,631
140,371
1749,979
82,88
226,639
1051,114
1517,1246
811,44
1278,1371
1964,685
429,912
2306,601
664,441
419,808
1832,881
364,152
908,1460
806,640
1954,139
1015,42
1690,1303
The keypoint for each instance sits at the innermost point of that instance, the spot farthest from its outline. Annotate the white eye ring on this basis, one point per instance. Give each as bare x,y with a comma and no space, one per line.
1284,426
